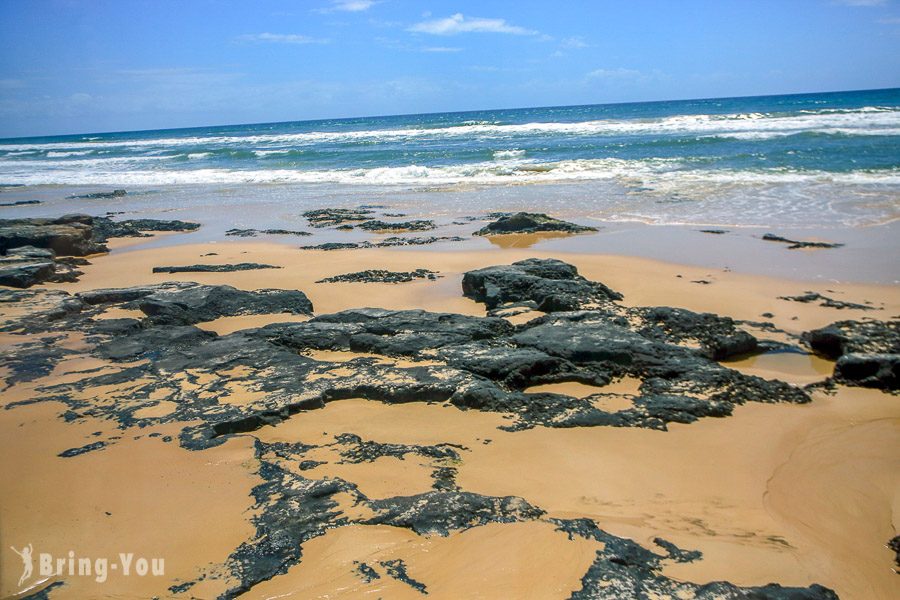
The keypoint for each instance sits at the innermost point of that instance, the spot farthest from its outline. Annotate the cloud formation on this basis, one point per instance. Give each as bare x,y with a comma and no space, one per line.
347,6
458,23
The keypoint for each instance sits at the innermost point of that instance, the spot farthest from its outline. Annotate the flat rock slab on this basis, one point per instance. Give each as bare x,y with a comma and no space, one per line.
381,276
415,225
228,268
795,244
255,232
390,242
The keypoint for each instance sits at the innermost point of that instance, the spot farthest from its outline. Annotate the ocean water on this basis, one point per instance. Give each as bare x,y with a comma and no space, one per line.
831,158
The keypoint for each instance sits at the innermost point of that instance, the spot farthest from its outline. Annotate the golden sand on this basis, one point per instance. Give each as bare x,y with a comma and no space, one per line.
785,493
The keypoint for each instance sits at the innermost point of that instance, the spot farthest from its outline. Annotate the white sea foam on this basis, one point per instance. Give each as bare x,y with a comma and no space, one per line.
508,154
65,154
864,121
648,172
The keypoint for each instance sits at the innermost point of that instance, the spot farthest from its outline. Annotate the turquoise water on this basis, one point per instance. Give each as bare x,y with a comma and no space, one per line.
783,151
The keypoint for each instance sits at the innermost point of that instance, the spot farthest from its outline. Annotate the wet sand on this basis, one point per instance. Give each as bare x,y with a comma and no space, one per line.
775,493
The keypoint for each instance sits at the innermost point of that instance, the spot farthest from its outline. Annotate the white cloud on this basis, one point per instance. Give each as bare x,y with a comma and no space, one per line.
573,42
347,6
353,5
280,38
459,23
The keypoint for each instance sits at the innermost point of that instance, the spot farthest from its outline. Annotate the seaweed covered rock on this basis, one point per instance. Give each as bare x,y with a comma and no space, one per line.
550,284
330,217
524,222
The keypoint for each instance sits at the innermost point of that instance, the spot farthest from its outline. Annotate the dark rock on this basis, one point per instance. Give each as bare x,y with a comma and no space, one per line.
381,276
66,236
255,232
551,284
442,512
25,266
794,244
717,336
397,569
78,235
859,337
827,302
365,572
100,195
869,370
417,225
530,223
714,231
25,275
894,546
676,554
82,450
385,243
197,303
624,569
20,203
329,217
214,268
105,228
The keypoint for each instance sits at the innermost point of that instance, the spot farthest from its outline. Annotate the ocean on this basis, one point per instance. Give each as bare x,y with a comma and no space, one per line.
822,159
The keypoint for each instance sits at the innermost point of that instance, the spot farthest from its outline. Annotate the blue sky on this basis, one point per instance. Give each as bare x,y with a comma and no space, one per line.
69,66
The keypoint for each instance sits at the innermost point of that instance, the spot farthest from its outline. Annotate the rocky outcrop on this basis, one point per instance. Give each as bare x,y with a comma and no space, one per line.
474,363
827,302
229,268
100,195
381,276
255,232
25,266
859,337
867,352
869,370
78,235
795,244
379,226
72,235
390,242
530,223
330,217
20,203
549,284
196,303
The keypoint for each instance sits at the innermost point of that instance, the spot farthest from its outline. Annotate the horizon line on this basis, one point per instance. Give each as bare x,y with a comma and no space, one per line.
450,112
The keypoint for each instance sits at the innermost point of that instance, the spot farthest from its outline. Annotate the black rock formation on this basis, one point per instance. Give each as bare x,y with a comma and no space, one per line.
530,223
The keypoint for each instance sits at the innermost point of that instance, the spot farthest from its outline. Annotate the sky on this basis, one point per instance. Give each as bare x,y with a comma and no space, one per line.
79,66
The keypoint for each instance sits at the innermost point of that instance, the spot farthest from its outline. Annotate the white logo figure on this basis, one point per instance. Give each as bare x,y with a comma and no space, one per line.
25,553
